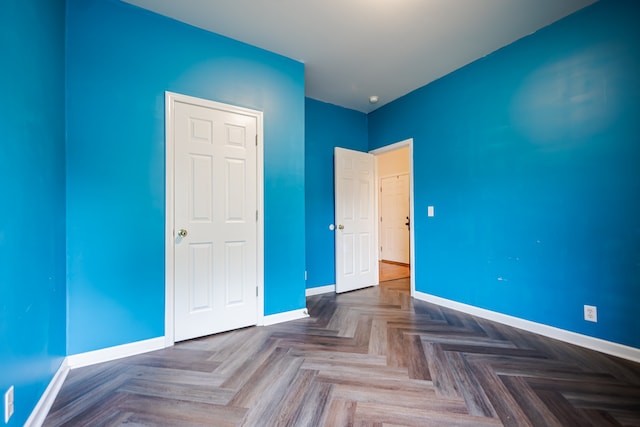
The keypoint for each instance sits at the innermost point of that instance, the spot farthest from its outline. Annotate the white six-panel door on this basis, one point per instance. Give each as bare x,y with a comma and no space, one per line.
356,260
394,216
215,208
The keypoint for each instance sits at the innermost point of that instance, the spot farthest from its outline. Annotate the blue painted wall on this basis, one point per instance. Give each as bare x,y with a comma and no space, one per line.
120,62
326,126
531,157
32,279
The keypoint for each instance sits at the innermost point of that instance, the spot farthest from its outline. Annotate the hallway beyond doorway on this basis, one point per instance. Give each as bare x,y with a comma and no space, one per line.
393,270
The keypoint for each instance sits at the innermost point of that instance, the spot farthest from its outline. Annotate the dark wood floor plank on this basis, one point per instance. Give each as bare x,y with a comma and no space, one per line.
338,358
251,342
563,410
395,347
277,371
294,398
190,392
139,419
373,357
87,411
176,376
244,368
180,411
178,358
505,405
442,376
378,339
369,414
604,388
341,413
417,364
85,385
400,398
313,408
472,392
529,402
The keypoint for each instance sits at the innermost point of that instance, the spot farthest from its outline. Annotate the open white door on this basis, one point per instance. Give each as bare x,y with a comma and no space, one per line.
216,203
356,260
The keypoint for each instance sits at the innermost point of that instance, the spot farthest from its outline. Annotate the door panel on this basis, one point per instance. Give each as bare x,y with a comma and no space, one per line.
235,191
356,262
235,266
200,277
215,203
201,179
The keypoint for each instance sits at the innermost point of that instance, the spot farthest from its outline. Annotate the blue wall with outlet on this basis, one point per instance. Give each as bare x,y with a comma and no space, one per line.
326,126
531,157
32,277
120,62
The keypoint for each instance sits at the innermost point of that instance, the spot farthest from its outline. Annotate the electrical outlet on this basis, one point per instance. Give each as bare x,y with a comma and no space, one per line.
591,313
8,404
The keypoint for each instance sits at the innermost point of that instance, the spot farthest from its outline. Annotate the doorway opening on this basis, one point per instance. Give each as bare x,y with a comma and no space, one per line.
394,171
358,229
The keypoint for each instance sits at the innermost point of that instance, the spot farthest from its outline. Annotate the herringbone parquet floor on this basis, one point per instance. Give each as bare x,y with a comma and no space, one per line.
373,357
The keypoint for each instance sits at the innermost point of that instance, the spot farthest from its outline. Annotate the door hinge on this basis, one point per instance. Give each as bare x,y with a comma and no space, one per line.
256,140
256,215
256,291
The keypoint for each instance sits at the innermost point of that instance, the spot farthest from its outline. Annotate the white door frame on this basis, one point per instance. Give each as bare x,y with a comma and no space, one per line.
170,100
412,255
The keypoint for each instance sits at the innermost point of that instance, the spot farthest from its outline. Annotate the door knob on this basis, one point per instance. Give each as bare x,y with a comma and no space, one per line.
340,227
182,232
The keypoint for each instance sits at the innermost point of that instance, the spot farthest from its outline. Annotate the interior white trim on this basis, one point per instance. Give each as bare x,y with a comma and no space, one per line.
170,99
412,257
285,316
169,253
112,353
320,290
376,215
585,341
43,406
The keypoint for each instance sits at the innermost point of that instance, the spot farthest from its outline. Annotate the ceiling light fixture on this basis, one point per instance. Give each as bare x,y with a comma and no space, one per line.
373,99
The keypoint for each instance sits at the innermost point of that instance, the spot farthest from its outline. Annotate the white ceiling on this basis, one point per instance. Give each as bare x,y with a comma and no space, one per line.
356,48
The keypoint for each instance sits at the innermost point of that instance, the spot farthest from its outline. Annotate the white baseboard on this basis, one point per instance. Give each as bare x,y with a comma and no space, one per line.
586,341
43,406
285,317
320,290
112,353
